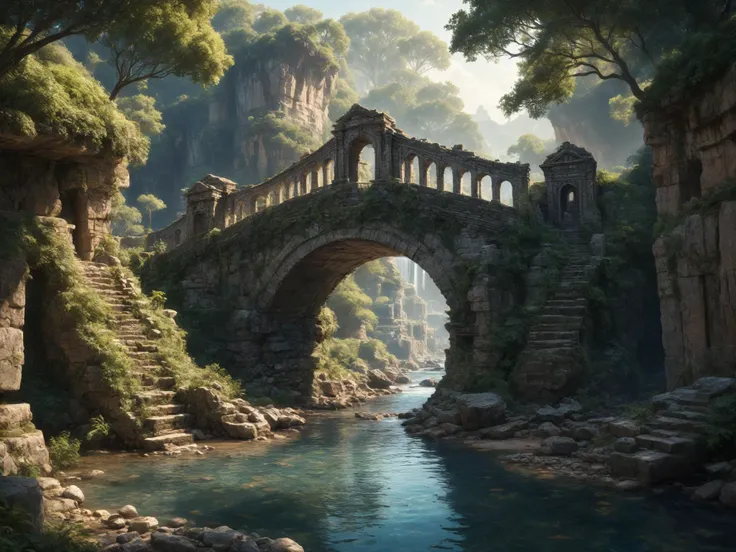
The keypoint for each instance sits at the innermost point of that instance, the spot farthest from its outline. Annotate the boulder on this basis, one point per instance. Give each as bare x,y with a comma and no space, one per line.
714,386
478,410
624,428
239,430
58,504
13,416
709,491
219,538
115,522
128,512
728,495
135,545
245,545
144,524
24,493
403,380
565,409
558,446
585,433
504,431
284,545
547,429
625,445
378,380
332,388
177,522
48,483
73,492
429,382
163,542
127,537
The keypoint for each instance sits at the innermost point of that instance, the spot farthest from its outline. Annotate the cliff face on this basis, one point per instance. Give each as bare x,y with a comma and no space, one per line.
694,148
260,119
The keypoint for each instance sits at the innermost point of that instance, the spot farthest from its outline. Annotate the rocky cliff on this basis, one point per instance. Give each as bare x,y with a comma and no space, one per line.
694,149
263,116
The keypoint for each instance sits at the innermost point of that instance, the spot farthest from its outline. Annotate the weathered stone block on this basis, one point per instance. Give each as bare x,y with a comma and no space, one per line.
11,358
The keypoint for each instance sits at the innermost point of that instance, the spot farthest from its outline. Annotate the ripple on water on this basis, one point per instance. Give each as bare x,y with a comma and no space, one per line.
349,485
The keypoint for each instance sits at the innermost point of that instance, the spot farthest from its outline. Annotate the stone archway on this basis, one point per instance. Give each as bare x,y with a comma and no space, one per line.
569,204
357,145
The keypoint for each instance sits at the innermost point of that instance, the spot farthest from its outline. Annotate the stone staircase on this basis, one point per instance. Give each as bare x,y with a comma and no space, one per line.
164,420
670,444
552,355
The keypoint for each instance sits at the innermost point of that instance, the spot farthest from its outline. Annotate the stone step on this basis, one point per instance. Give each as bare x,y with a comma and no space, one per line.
671,445
154,397
686,413
649,466
678,424
159,382
571,302
142,355
672,433
167,409
571,335
160,441
158,425
550,343
562,310
564,319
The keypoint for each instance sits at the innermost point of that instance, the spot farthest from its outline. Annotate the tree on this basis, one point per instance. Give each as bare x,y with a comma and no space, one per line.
26,26
232,15
374,42
425,51
269,20
150,204
142,110
531,149
331,34
126,220
166,38
303,14
559,41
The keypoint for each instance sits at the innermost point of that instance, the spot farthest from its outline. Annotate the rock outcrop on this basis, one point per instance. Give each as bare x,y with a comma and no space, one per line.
695,156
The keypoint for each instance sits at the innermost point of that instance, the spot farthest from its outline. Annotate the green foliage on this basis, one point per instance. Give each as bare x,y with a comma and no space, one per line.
531,149
99,428
351,305
158,299
333,357
279,130
159,247
125,219
303,14
423,52
17,533
26,469
721,429
46,97
63,451
232,15
641,412
327,321
142,110
269,20
150,204
699,60
558,42
165,38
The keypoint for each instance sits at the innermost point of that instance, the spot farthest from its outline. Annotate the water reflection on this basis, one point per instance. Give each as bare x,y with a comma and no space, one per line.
348,485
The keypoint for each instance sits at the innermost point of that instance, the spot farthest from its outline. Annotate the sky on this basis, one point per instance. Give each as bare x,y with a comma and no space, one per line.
481,82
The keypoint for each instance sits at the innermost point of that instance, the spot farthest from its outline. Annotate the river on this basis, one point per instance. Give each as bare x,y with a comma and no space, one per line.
350,485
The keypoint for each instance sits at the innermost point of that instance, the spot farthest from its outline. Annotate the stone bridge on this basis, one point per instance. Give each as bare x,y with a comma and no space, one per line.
250,269
217,203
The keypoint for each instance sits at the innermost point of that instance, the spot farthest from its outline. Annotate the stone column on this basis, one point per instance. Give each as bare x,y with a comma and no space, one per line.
326,180
314,181
457,181
495,189
440,178
517,192
422,172
302,184
474,184
408,176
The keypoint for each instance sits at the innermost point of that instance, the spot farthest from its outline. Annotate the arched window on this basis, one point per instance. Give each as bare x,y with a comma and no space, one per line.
466,183
432,175
507,193
362,166
260,204
569,203
486,188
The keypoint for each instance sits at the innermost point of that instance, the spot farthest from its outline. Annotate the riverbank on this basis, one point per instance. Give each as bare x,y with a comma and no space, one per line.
348,484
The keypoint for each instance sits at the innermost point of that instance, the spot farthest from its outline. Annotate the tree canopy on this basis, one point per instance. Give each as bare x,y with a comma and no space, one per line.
559,41
303,14
424,51
166,38
531,149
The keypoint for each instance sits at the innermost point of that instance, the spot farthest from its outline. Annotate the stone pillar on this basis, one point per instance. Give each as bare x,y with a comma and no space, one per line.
314,180
408,176
517,192
474,184
441,178
457,181
326,180
422,172
303,184
495,189
13,274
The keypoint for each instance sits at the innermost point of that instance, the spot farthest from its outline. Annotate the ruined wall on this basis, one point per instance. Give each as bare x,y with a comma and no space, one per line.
694,148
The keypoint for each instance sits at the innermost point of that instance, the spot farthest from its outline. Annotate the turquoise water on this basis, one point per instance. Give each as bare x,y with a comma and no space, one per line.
348,485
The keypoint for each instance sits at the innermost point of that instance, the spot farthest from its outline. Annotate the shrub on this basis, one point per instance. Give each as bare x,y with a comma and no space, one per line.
159,247
63,451
639,412
100,428
720,432
158,299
